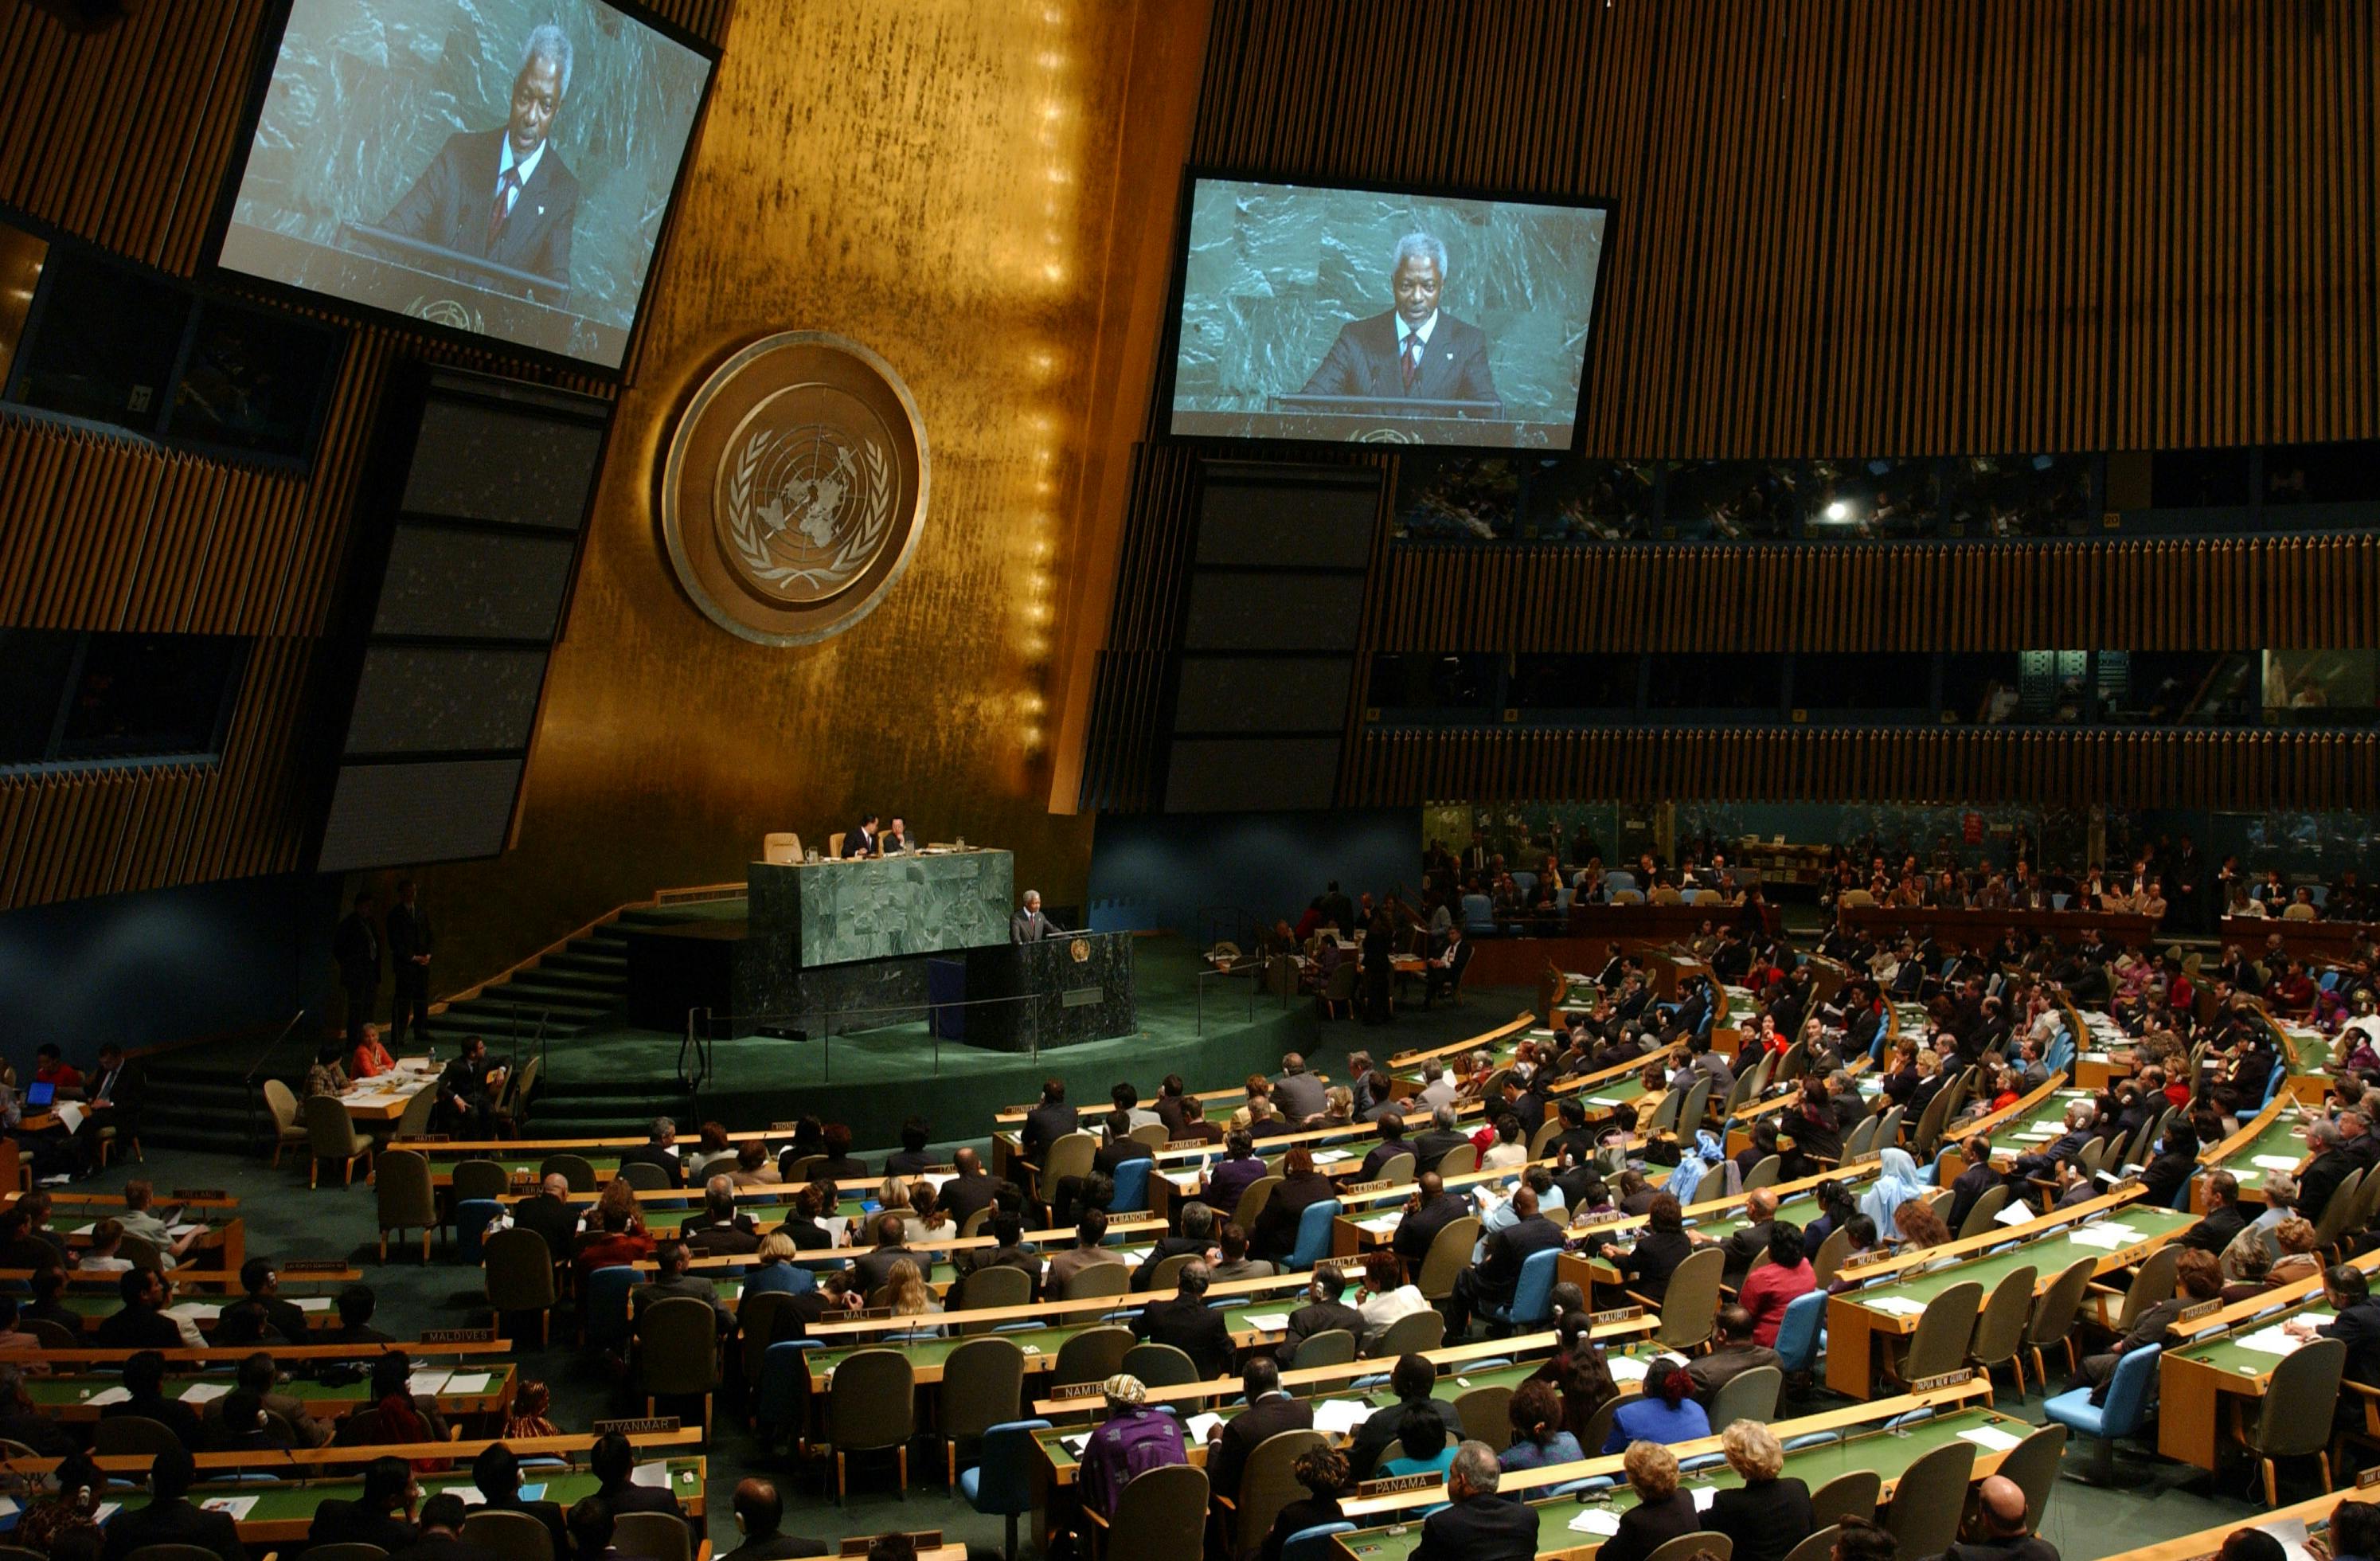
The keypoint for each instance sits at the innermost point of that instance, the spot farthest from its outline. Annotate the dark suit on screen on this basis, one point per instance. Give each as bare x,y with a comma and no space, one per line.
450,203
1364,361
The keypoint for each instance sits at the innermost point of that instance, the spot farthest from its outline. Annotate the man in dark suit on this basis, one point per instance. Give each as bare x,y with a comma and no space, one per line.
719,1230
1297,1092
759,1517
463,1108
2358,1322
613,1463
1197,1234
2330,1168
144,1378
1007,1251
355,948
1413,1380
1393,1143
2224,1219
1747,1244
1498,1274
1028,925
1733,1353
973,1188
504,195
862,840
896,838
438,1537
2007,1537
496,1471
171,1518
659,1151
1974,1181
143,1322
874,1267
552,1215
1476,1524
1269,1412
674,1282
1442,1140
1048,1122
1414,351
1446,970
1322,1312
263,1304
409,953
1188,1323
1432,1210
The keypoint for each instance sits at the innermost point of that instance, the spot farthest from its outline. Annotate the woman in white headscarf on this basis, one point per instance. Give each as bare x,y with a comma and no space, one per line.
1895,1184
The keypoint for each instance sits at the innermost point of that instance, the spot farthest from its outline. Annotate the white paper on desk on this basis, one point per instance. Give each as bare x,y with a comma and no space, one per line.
1332,1156
110,1396
1339,1417
2270,1341
1704,1496
2041,1135
194,1311
313,1303
2276,1162
426,1383
1268,1322
1602,1100
70,1116
1382,1225
470,1495
2291,1532
415,1065
8,1507
2013,1213
205,1392
1200,1427
653,1476
234,1507
2096,1057
179,1231
1623,1368
1187,1180
82,1229
938,1179
1598,1520
2073,1094
464,1385
1899,1306
1990,1436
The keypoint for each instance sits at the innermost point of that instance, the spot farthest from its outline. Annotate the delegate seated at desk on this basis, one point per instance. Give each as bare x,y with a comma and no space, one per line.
1028,925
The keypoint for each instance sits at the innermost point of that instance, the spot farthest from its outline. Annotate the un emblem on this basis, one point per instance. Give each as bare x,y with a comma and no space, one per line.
794,492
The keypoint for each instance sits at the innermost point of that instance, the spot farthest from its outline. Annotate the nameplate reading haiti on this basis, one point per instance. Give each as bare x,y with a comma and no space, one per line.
794,492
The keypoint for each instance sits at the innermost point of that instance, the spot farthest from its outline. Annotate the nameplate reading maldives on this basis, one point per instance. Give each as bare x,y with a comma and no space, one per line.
1946,1379
651,1426
459,1335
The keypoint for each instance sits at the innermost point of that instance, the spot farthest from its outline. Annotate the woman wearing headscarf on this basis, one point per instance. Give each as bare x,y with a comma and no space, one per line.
1897,1184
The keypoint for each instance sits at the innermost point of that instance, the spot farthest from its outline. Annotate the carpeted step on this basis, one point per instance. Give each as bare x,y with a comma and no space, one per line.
564,991
613,966
197,1108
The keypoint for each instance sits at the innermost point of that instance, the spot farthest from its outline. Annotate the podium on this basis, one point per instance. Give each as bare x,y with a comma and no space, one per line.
1072,989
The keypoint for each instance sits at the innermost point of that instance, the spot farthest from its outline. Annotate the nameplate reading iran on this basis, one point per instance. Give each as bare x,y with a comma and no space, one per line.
1946,1379
656,1424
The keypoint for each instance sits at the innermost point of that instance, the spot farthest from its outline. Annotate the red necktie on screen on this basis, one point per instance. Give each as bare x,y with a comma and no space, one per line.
1413,358
504,188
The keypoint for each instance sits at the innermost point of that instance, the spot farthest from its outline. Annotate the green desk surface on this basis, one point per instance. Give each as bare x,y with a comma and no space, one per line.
1799,1209
2227,1354
296,1504
934,1352
2048,1256
1888,1453
2280,1137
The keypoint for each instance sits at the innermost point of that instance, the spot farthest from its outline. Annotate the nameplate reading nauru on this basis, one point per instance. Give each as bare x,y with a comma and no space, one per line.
655,1425
1946,1379
459,1335
190,1194
1617,1314
1395,1484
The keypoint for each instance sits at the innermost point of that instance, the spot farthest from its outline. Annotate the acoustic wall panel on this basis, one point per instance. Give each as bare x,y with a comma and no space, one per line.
1262,694
1251,774
1232,610
1253,513
498,465
385,814
488,585
416,699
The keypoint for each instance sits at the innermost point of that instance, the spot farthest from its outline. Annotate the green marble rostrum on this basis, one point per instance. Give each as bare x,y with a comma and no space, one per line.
836,912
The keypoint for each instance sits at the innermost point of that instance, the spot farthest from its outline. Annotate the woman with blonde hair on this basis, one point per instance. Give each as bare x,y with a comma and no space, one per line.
1662,1512
1338,1108
774,1273
1769,1513
909,1297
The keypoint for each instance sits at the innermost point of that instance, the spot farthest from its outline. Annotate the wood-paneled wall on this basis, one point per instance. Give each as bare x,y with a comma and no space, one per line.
123,137
2243,771
2214,594
1871,228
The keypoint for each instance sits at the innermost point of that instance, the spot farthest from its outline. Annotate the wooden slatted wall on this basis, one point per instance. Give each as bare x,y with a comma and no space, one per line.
123,137
1869,228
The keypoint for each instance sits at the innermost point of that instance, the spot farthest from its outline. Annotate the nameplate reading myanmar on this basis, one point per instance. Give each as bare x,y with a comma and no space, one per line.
459,1335
199,1194
1617,1314
1390,1486
1077,1390
1946,1379
652,1425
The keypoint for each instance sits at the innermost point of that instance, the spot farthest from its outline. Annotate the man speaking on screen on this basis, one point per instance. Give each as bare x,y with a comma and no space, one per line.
504,195
1416,351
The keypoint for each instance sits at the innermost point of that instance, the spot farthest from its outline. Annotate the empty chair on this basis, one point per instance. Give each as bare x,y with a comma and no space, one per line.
1798,1332
1169,1269
513,1536
983,1385
473,1180
1486,1414
989,1288
1690,1303
1765,1174
1162,1365
1002,1484
1860,1140
2054,1316
1985,1211
1093,1355
520,1274
1847,1495
1532,1294
1332,1346
281,1104
1252,1202
2293,1419
131,1436
1161,1512
645,1176
1830,1255
1929,1498
407,1202
331,1135
1999,1331
1747,1395
677,1351
2032,1464
871,1407
650,1536
1070,1155
1459,1162
1313,1235
2124,1412
780,847
1099,1279
1449,1255
1397,1169
1413,1334
1943,1334
2152,1284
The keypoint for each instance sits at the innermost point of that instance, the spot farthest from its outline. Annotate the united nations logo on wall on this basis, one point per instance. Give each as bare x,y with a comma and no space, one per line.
794,492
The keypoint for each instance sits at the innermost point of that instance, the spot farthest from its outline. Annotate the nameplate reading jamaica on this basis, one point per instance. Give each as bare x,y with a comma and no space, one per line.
794,492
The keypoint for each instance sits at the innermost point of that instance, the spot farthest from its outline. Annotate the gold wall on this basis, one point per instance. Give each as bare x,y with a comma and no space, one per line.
938,179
